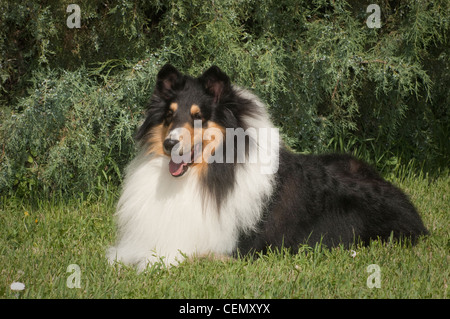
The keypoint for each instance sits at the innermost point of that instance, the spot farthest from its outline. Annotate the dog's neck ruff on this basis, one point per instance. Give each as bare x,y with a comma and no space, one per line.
163,218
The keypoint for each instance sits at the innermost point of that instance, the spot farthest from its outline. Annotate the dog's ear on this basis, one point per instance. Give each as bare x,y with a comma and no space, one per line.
166,80
216,83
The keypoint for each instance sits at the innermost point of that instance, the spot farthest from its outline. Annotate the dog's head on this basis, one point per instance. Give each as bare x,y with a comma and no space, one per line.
187,117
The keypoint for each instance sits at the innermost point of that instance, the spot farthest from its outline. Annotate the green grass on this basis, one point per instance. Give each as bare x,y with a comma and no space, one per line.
38,242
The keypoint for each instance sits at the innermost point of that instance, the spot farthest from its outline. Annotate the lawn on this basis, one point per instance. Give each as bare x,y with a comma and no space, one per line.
38,243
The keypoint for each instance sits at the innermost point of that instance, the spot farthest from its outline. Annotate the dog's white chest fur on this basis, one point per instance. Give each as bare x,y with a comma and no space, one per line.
162,218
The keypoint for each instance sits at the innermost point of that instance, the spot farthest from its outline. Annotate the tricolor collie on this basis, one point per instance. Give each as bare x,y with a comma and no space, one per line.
212,177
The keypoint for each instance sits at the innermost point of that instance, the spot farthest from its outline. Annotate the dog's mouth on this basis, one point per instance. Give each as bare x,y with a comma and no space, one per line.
178,169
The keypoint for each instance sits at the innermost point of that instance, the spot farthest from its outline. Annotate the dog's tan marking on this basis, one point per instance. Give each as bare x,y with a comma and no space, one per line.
195,109
212,138
174,107
155,140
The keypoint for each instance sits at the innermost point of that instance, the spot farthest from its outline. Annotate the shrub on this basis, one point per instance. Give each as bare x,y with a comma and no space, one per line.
72,97
74,133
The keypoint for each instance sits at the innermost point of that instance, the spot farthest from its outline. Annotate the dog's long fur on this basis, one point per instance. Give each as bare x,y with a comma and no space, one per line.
167,211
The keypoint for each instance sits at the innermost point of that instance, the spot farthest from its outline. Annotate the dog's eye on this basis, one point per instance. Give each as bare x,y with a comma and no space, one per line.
169,116
197,116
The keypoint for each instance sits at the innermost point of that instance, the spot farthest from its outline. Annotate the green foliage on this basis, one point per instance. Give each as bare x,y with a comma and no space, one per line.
71,98
74,134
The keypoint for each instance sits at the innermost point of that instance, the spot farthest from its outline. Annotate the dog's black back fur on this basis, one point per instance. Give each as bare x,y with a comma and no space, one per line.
333,199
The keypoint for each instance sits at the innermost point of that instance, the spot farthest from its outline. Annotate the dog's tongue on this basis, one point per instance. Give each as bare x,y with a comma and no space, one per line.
177,169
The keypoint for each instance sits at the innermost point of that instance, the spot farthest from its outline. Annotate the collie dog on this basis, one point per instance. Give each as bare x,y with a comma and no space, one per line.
212,177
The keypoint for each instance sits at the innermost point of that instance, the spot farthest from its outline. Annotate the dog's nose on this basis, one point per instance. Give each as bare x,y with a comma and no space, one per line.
169,144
